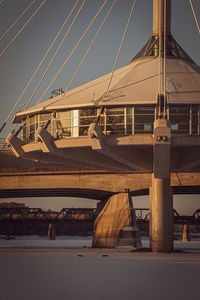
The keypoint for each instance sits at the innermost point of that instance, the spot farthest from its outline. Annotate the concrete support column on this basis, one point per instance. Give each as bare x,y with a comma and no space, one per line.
51,232
161,215
116,224
161,202
186,233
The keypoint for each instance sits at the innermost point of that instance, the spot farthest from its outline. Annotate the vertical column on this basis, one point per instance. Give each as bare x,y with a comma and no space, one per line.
161,239
186,233
51,232
161,202
150,218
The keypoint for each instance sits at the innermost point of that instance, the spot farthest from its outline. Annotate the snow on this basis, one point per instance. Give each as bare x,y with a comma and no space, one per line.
65,269
42,242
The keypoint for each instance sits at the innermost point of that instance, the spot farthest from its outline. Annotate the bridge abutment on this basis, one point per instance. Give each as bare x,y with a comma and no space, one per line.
116,224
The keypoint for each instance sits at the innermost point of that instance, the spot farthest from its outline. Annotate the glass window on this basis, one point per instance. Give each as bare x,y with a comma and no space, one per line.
25,131
115,122
86,117
63,122
144,117
195,119
179,117
75,123
32,128
174,126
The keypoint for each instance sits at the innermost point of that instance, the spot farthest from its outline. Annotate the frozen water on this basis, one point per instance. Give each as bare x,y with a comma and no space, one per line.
42,242
42,271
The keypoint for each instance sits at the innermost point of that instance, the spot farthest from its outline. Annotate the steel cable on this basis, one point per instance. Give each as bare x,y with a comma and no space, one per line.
23,13
20,31
91,44
38,85
73,50
119,50
194,14
33,76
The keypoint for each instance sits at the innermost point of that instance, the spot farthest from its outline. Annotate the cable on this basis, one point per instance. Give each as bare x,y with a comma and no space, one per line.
25,89
122,41
46,56
94,39
160,59
195,17
55,54
9,29
16,36
116,60
165,44
73,50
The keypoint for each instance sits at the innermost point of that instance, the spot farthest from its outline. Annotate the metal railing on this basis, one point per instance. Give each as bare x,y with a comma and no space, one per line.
3,145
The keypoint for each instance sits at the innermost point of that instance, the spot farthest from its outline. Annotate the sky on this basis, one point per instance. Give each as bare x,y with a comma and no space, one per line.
19,62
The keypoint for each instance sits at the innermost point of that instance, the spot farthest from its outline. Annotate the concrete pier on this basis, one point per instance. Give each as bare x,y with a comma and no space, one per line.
161,215
161,199
116,224
186,233
51,232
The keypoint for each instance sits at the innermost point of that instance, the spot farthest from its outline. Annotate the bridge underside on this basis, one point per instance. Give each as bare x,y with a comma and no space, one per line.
86,193
20,177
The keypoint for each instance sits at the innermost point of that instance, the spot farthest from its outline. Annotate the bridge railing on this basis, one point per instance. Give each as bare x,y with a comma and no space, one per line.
3,145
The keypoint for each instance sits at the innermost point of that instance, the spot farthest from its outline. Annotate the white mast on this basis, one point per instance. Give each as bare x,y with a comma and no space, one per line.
162,28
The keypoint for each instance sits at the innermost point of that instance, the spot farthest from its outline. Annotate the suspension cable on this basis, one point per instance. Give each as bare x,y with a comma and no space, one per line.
73,50
122,41
116,60
23,13
55,54
160,59
38,85
16,36
165,44
94,39
33,76
194,14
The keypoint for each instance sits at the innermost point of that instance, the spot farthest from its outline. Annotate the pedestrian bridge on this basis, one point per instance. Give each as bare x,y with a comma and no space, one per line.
24,178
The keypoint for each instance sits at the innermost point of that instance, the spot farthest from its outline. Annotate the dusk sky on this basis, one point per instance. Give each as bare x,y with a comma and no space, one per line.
19,62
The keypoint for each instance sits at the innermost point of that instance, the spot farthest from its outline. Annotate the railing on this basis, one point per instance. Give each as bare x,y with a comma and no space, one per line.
3,145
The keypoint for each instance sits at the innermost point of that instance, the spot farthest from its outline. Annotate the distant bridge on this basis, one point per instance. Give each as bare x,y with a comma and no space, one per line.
34,215
24,214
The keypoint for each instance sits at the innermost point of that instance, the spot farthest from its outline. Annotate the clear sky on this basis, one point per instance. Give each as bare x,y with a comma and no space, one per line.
20,61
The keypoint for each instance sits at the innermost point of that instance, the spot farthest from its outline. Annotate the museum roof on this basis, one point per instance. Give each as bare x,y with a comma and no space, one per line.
135,83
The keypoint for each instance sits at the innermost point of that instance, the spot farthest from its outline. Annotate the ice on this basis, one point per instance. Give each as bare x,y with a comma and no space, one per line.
38,269
42,242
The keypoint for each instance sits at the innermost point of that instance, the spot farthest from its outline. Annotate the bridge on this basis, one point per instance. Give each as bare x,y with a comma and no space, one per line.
22,177
26,215
35,215
22,220
133,131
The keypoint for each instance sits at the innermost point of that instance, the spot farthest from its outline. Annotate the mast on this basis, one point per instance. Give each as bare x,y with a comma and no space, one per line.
160,14
161,30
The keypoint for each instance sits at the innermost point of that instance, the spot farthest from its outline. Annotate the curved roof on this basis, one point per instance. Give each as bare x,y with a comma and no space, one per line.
135,83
